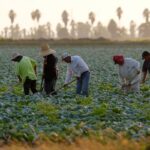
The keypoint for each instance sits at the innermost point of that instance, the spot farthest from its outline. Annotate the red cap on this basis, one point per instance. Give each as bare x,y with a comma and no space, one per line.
118,59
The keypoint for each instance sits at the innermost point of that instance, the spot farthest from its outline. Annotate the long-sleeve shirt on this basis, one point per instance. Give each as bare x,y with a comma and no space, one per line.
77,66
129,71
50,67
25,68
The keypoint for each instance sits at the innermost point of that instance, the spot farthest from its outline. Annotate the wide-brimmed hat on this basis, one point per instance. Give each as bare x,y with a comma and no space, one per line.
45,50
64,55
15,55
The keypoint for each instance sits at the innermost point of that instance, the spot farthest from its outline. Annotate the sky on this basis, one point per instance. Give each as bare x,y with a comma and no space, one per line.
78,10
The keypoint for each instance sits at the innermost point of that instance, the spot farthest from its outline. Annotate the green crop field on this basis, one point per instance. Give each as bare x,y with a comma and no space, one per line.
67,115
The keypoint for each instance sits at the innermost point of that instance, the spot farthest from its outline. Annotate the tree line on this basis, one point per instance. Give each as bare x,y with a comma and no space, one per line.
70,29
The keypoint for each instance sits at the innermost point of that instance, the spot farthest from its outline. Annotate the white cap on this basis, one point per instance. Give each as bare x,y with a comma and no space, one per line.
64,55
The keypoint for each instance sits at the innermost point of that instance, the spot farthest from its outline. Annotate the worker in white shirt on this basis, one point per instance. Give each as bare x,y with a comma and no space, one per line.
129,72
76,65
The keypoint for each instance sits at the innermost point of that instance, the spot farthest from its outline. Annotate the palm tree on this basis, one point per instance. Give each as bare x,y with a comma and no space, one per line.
33,15
132,29
65,17
146,14
38,15
12,16
119,13
92,17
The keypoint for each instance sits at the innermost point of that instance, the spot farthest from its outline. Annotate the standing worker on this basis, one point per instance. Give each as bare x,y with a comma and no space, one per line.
129,71
50,71
146,65
77,65
26,72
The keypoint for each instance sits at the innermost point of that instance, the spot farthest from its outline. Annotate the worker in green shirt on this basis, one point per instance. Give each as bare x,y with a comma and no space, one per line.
26,72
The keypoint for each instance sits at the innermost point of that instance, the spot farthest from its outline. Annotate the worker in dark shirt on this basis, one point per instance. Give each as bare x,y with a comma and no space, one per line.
146,65
50,71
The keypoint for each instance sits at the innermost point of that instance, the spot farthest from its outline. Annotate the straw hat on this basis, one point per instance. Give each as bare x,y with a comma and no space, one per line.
15,55
45,50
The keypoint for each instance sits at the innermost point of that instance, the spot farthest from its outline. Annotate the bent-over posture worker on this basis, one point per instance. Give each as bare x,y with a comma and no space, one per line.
129,71
77,65
50,71
26,72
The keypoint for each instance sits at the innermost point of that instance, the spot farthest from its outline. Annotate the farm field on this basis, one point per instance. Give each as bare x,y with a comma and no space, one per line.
107,113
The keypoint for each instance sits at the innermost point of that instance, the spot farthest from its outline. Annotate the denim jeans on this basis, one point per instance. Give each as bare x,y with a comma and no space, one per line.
83,83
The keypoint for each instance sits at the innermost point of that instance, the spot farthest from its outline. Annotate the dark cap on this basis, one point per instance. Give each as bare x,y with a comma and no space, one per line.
145,53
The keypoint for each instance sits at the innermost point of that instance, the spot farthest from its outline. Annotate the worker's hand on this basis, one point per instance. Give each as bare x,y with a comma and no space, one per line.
78,78
143,81
138,72
129,85
65,85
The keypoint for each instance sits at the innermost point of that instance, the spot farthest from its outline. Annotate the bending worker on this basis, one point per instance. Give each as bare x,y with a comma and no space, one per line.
129,72
26,72
77,65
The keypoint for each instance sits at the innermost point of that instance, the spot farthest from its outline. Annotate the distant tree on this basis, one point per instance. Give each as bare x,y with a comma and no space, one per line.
146,15
38,15
12,16
119,14
48,26
144,30
92,17
73,29
33,15
6,32
113,29
24,33
62,33
83,30
132,29
100,31
65,18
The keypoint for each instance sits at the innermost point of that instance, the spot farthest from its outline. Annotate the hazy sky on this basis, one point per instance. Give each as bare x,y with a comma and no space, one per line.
78,9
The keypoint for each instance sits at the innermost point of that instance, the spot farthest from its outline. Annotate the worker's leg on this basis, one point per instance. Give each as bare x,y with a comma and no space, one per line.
79,85
26,86
53,85
85,83
33,86
47,86
136,87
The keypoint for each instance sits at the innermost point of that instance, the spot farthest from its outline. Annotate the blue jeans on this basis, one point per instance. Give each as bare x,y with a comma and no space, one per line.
83,83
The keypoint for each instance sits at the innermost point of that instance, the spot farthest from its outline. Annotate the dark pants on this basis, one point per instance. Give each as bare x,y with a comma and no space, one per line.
49,86
29,85
83,83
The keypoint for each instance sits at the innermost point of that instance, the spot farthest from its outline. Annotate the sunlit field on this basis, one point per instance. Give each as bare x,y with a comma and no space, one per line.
107,119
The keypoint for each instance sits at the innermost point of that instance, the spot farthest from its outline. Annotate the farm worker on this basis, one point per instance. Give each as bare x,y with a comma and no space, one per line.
26,72
129,71
50,71
77,65
146,65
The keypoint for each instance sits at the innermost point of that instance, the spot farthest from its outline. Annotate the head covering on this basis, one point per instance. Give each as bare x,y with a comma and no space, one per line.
65,55
145,53
15,55
45,50
118,59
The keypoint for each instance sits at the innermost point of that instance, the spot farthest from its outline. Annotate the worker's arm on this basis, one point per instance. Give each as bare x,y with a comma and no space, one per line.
144,76
34,64
20,80
69,75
